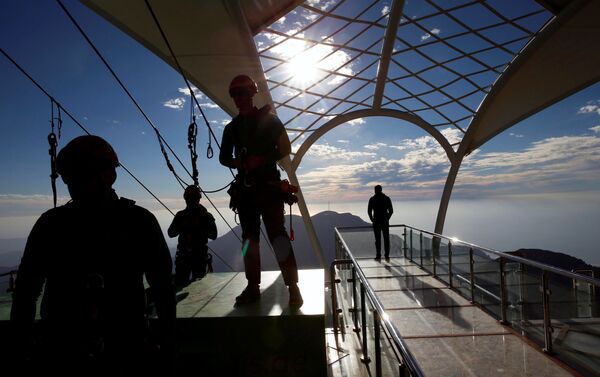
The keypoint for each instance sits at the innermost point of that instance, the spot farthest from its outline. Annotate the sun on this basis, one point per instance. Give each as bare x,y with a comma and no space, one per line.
302,61
303,68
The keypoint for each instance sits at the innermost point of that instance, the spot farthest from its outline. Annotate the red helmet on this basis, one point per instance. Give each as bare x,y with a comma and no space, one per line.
192,193
84,155
242,85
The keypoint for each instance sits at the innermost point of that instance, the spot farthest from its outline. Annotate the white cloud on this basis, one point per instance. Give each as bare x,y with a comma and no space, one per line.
19,204
281,20
343,141
175,103
426,36
568,163
357,121
209,105
225,122
553,152
589,108
323,4
516,135
452,134
326,151
376,146
197,93
385,10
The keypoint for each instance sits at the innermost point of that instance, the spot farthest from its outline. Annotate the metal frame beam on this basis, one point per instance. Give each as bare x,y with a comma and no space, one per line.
386,51
340,119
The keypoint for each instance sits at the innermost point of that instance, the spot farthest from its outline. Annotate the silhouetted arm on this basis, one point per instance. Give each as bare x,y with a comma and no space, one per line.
226,157
30,280
211,226
283,147
370,209
175,227
390,209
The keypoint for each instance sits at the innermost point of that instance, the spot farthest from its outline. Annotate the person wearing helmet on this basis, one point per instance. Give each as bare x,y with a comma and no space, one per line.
91,255
194,225
252,143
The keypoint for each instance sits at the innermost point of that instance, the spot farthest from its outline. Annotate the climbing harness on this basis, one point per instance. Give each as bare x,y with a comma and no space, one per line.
53,144
289,192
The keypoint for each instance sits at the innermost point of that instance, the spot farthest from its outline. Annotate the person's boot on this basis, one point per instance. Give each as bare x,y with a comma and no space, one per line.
295,296
250,294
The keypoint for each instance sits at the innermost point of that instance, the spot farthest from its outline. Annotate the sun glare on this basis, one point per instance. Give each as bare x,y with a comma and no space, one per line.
303,68
307,63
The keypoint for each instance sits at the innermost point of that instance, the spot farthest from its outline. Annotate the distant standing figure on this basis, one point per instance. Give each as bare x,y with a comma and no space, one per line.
91,256
194,226
380,210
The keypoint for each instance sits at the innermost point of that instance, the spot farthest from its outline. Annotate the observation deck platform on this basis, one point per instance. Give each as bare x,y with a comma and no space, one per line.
265,338
446,333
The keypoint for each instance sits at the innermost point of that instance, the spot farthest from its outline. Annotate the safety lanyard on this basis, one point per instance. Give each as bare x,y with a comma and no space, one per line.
53,144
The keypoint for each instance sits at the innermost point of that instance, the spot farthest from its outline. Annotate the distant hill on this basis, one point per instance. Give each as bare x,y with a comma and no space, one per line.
560,260
11,250
228,246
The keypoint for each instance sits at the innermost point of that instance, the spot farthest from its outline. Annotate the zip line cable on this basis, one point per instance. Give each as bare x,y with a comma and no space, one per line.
85,130
159,136
187,83
193,96
161,139
59,106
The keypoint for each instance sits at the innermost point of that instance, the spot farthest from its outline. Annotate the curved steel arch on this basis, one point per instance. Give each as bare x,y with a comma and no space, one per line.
343,118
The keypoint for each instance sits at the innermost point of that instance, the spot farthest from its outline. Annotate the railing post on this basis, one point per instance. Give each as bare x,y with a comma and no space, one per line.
354,308
472,275
411,245
405,242
435,244
377,324
403,370
547,320
363,322
450,264
503,299
421,248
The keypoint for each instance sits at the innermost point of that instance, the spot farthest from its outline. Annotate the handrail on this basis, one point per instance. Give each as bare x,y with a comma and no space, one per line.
8,273
407,356
528,262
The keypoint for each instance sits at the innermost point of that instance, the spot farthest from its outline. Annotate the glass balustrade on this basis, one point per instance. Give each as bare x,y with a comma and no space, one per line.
557,309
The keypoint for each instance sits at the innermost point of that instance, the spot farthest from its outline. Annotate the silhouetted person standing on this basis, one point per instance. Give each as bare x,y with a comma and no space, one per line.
91,255
380,210
194,226
252,143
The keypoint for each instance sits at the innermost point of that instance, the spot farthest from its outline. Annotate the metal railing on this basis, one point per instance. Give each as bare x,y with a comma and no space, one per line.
408,364
532,297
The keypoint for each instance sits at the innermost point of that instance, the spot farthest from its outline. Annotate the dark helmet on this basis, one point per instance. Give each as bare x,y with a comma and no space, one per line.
86,154
192,193
242,85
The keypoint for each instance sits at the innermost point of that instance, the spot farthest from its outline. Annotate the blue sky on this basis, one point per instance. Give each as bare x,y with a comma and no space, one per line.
552,157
